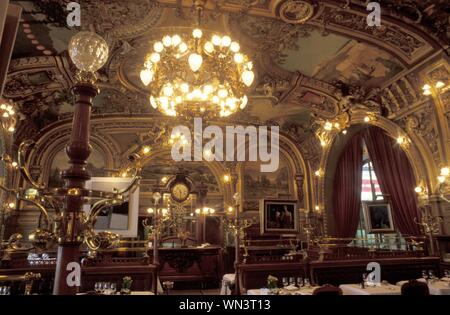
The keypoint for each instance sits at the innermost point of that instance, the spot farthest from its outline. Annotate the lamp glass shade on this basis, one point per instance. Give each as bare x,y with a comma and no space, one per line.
88,51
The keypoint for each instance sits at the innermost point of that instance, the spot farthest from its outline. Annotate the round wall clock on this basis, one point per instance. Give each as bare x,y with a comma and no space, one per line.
179,192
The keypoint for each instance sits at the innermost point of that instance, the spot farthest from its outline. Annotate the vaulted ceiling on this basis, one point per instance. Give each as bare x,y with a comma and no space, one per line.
308,54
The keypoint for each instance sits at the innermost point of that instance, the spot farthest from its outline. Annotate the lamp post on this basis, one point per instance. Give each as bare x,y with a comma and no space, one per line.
89,52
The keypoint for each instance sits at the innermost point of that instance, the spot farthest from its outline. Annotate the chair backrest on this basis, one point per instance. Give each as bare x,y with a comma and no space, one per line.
415,288
327,289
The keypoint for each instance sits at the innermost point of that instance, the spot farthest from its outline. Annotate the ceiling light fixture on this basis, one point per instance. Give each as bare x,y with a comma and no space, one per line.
197,74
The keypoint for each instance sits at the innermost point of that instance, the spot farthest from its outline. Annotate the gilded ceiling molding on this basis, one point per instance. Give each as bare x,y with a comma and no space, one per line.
121,19
409,41
42,155
28,76
440,71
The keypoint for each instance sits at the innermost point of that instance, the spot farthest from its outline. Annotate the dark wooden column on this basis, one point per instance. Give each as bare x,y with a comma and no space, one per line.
78,151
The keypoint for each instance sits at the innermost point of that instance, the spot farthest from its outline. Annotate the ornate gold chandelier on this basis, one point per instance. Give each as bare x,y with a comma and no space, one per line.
197,75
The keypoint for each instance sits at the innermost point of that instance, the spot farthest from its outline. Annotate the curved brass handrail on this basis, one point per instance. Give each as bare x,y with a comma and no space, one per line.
40,207
23,167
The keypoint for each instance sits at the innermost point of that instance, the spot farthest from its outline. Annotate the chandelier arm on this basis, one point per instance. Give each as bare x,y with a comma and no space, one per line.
96,208
23,167
91,239
41,208
133,184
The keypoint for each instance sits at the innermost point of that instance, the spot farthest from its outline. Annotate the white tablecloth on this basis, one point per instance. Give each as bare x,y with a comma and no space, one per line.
302,291
436,288
142,293
355,289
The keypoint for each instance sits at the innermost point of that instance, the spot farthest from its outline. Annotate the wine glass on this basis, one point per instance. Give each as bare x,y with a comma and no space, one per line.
97,287
113,288
8,291
285,281
106,287
292,281
424,274
299,282
431,274
307,283
2,290
446,273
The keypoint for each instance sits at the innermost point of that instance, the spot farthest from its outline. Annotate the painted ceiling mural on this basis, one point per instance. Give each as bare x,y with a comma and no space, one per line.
308,61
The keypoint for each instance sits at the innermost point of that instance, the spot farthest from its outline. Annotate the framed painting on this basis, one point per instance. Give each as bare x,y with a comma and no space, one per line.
378,217
278,216
121,219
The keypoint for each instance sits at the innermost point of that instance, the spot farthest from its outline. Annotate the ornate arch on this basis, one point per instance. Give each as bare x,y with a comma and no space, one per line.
423,171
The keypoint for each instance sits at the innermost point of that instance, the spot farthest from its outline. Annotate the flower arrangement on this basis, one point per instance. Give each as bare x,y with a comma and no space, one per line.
272,282
126,285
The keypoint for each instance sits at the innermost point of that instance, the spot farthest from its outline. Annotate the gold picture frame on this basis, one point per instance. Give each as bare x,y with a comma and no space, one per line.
378,217
278,216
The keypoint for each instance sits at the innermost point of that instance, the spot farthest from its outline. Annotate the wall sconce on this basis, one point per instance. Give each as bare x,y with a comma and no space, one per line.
226,178
7,116
318,173
437,87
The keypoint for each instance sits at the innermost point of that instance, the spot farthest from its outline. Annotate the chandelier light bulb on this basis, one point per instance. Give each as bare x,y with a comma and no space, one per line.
223,93
197,94
249,65
155,57
167,41
426,87
244,102
441,179
445,171
226,41
216,40
209,47
418,189
158,47
239,58
153,102
439,84
427,92
184,87
208,89
234,47
183,48
248,77
146,76
215,99
197,33
168,90
195,61
176,40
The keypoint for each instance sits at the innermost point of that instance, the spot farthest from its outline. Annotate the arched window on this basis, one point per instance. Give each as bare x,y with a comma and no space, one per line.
371,191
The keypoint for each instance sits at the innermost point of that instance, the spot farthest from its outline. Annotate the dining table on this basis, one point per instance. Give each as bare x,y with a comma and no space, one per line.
435,286
381,289
307,290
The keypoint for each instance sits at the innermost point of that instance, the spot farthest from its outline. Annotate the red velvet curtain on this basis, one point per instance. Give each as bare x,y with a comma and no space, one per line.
395,177
347,188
